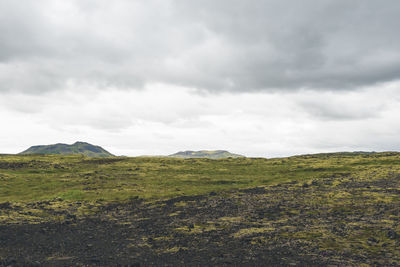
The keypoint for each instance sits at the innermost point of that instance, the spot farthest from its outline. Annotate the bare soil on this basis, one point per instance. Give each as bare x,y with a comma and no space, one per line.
281,225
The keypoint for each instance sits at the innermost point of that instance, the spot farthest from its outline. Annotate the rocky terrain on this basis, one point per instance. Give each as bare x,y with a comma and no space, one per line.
288,224
344,216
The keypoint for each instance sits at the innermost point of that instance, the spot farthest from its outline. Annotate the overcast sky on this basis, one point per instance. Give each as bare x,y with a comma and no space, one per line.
257,77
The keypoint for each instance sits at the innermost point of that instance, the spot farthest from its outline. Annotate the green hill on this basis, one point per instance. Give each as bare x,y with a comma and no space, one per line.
64,149
212,154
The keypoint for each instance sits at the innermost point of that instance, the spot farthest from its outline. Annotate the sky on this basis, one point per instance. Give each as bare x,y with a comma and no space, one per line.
262,78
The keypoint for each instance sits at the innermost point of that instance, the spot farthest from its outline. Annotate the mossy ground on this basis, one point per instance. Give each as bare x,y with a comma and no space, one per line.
323,209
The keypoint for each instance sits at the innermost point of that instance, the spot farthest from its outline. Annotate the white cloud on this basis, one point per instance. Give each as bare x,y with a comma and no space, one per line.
163,119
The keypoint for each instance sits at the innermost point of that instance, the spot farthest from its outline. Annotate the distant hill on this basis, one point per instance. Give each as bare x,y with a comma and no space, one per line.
64,149
212,154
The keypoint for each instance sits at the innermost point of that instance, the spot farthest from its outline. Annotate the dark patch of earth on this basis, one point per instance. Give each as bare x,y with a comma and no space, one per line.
251,227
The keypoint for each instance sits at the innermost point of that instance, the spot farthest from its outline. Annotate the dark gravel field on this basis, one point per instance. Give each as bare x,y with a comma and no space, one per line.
290,224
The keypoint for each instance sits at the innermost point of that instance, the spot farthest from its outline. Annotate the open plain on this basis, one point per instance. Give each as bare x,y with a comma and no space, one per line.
339,209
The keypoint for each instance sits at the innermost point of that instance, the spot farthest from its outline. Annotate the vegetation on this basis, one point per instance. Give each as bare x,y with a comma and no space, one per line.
324,209
211,154
81,148
45,177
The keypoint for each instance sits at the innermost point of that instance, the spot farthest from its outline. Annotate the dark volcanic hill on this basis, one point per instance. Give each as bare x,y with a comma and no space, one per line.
212,154
64,149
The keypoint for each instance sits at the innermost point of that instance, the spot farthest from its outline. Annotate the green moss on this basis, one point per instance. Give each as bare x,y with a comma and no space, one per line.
252,231
173,249
32,178
72,195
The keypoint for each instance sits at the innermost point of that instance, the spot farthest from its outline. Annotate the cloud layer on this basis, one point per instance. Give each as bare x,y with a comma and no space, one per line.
163,120
256,45
257,77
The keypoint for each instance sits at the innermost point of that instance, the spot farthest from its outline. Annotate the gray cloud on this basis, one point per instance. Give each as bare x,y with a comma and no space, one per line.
367,104
209,45
166,119
337,110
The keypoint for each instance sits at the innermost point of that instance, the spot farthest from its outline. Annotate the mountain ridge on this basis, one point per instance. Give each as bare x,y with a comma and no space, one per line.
212,154
82,148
